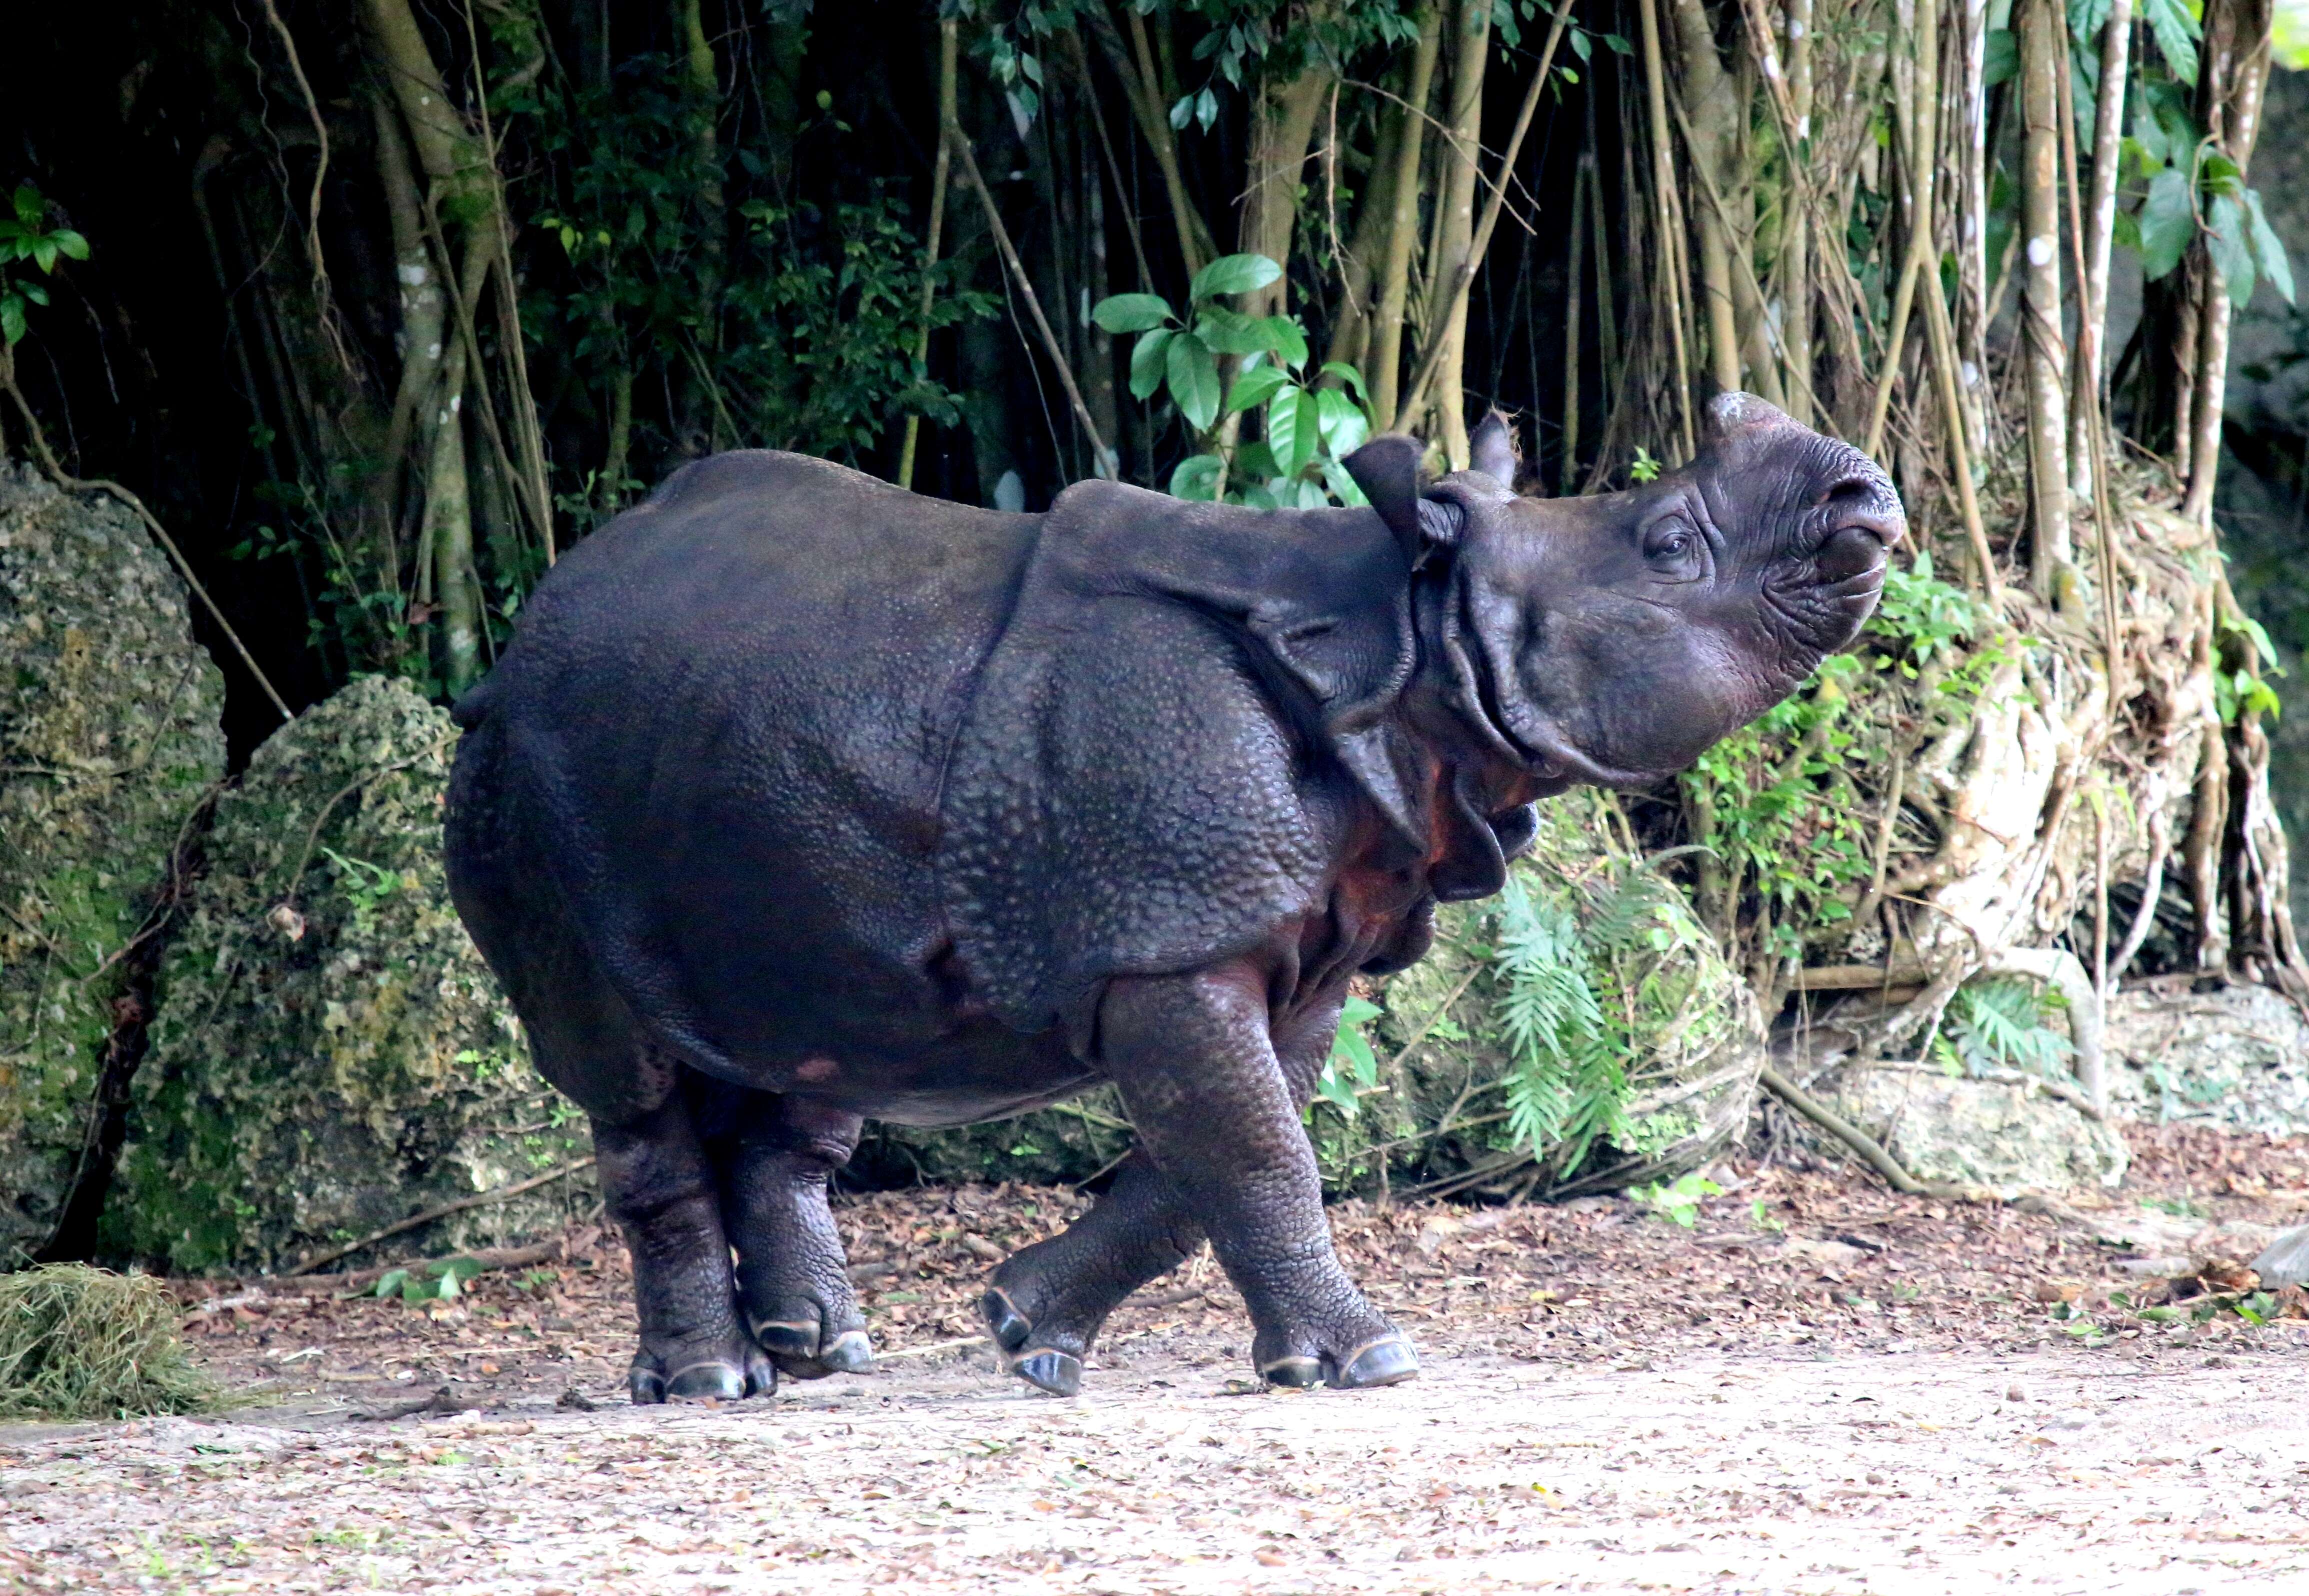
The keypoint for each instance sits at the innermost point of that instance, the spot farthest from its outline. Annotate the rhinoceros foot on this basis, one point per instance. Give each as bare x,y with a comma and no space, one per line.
806,1339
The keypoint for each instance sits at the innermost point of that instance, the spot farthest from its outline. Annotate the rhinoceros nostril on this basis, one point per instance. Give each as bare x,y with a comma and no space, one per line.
1864,500
1851,551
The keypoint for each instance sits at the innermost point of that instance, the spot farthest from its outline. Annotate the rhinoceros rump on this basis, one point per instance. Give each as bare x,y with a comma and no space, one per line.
799,799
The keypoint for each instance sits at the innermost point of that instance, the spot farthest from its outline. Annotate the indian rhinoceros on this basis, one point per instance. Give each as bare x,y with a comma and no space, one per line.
798,799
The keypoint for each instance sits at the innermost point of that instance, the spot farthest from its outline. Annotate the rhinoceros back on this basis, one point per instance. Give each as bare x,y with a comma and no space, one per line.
721,729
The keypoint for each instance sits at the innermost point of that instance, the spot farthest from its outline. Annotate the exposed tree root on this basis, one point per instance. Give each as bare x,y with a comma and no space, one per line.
1869,1149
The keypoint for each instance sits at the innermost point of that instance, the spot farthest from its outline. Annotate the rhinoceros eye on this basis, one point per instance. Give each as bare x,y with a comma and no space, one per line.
1670,545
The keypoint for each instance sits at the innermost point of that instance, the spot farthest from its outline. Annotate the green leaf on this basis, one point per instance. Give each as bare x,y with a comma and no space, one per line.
1345,425
30,209
70,243
1197,477
2177,34
12,318
44,254
1146,367
1231,332
1348,375
1131,313
1255,387
389,1284
2231,249
1287,339
2168,221
1254,461
1233,274
1343,489
2268,249
1194,380
2001,57
1294,430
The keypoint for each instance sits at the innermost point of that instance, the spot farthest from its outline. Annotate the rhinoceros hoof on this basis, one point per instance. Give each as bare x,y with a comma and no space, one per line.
1004,1321
722,1382
1381,1363
792,1342
1058,1372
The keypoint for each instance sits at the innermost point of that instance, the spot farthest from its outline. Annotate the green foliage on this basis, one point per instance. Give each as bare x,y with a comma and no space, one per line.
1574,1001
25,235
2193,190
1779,804
440,1279
1678,1202
801,338
2000,1023
1308,428
1353,1065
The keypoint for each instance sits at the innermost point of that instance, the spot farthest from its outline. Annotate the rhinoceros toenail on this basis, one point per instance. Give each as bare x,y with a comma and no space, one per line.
1058,1372
1004,1321
1292,1371
851,1353
1381,1363
794,1338
713,1379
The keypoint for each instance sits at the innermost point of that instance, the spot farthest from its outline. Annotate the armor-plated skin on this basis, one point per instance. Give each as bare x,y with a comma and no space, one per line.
798,799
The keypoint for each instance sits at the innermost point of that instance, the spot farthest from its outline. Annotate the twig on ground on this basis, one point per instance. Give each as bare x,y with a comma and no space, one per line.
479,1199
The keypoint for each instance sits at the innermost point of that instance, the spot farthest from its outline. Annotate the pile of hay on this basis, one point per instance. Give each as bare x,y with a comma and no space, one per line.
77,1342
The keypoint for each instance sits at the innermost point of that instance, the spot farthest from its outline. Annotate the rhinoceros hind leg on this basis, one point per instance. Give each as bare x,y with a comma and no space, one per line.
658,1184
1048,1301
774,1155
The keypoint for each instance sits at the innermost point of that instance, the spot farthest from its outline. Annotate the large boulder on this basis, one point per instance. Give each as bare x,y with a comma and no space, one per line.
1581,1032
330,1056
2237,1056
108,742
2007,1135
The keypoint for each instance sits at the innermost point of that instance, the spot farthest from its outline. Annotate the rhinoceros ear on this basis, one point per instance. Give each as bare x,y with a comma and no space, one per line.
1387,469
1492,449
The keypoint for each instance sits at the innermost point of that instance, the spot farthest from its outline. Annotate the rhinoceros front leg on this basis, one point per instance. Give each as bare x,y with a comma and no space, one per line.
794,1283
1214,1105
1048,1301
658,1184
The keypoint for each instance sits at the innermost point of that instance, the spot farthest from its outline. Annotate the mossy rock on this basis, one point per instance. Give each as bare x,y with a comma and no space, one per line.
108,742
330,1054
1681,1043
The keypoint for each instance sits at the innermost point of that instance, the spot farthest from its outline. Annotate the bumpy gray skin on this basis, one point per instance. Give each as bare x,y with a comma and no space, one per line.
798,799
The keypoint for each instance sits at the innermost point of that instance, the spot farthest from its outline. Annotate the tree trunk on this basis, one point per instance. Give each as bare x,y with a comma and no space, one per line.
2100,231
1713,110
1394,299
1283,124
2235,72
1462,152
2043,32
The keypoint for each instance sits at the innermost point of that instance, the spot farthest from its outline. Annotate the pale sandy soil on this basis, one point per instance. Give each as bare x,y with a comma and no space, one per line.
1930,1472
1845,1393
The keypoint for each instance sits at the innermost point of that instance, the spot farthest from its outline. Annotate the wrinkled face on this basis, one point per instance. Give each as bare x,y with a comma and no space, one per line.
1613,639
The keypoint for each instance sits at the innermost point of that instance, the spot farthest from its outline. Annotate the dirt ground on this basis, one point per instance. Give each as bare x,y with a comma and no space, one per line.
1815,1387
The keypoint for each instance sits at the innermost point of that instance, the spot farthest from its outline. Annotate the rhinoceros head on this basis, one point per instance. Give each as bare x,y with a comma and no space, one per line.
1611,638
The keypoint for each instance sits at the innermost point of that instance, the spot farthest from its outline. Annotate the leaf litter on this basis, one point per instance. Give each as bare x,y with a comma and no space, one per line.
1816,1385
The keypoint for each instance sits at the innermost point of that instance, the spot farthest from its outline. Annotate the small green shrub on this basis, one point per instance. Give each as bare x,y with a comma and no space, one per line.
77,1342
